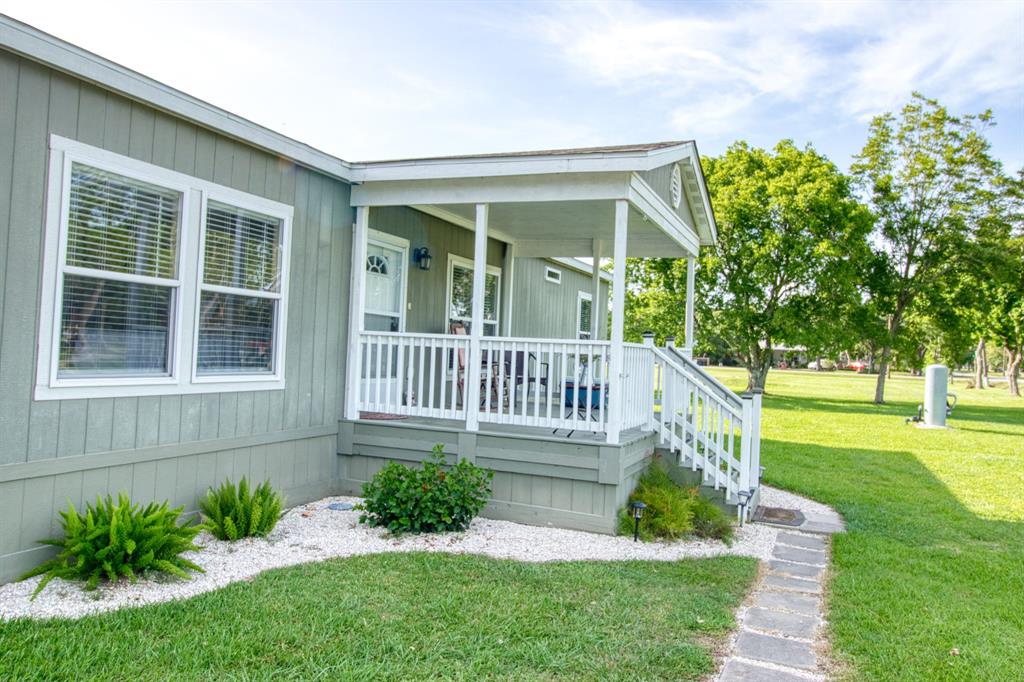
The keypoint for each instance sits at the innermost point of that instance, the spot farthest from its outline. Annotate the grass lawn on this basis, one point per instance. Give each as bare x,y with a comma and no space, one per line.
934,558
395,617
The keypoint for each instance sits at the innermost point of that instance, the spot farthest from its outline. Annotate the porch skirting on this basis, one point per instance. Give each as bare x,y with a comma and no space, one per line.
539,479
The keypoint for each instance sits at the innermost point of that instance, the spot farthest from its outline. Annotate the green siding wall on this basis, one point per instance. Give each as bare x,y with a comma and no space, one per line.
427,288
660,180
37,101
544,310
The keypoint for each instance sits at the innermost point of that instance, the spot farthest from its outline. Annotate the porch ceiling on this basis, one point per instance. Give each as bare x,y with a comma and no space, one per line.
547,214
565,228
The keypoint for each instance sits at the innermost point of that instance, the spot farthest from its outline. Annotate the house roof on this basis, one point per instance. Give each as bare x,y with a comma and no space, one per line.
571,151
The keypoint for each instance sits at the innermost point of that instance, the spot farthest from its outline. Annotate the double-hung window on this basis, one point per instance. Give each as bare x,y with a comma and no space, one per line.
460,294
156,282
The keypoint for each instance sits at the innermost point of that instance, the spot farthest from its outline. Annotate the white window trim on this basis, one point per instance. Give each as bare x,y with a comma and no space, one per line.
552,275
243,200
467,263
184,325
392,242
580,297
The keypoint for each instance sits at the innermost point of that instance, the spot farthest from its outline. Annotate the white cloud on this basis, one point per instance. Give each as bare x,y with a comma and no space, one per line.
722,68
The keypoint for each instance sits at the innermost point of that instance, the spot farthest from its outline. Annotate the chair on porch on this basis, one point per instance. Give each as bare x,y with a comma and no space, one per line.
522,370
459,329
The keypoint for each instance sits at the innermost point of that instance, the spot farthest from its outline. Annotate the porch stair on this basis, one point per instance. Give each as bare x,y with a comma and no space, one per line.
706,429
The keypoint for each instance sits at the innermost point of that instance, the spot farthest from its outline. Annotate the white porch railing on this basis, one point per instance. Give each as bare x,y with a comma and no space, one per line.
562,384
708,426
551,383
410,374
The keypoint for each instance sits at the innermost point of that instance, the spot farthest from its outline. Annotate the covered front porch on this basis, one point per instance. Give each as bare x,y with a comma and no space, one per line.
475,371
584,398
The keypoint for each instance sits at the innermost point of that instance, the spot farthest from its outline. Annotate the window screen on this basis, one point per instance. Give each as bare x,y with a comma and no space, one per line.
240,292
118,277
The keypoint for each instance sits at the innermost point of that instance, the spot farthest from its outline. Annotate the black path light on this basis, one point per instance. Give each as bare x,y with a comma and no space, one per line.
638,512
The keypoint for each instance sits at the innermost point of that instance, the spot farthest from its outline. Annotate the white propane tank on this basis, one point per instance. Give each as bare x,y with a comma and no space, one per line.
936,379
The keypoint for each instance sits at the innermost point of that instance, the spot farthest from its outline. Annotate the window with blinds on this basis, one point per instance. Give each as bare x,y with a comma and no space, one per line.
142,295
460,298
239,291
119,276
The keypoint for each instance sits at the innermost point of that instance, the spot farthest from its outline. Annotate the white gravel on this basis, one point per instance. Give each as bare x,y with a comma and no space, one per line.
312,532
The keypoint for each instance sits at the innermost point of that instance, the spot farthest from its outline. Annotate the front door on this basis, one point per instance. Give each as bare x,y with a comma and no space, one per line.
387,259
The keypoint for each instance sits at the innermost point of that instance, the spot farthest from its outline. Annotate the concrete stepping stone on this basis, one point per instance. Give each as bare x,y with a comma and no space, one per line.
796,570
826,524
784,582
806,556
805,541
789,601
789,652
782,622
741,671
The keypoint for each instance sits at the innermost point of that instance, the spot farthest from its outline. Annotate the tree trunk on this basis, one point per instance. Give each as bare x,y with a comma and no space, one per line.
980,365
883,369
1012,370
758,364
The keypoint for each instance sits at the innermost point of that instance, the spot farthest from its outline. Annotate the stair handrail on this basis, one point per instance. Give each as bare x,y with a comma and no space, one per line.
697,373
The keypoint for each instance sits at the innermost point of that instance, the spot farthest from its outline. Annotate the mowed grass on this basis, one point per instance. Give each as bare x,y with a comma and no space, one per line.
408,616
928,583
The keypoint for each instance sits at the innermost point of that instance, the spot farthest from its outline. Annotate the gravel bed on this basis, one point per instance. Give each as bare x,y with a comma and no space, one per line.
312,532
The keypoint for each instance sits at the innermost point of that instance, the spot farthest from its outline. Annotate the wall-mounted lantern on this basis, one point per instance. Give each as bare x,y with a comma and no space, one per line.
422,257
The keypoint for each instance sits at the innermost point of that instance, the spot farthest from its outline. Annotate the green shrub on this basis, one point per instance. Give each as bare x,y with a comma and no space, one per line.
426,500
710,521
673,512
118,540
232,512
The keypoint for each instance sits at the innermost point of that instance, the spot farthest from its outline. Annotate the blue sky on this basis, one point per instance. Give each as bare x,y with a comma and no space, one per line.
389,79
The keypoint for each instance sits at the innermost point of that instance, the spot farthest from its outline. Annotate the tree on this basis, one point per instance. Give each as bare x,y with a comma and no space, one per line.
922,174
791,241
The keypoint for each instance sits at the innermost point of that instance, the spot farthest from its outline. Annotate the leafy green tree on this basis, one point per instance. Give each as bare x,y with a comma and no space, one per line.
923,174
791,247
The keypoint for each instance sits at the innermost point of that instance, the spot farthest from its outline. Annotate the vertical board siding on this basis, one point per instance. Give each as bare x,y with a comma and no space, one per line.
545,310
660,180
426,310
42,102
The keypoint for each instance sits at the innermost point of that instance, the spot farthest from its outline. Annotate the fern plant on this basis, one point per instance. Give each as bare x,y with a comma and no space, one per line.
232,512
114,540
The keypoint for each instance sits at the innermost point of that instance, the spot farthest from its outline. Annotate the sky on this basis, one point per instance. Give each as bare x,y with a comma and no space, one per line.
382,80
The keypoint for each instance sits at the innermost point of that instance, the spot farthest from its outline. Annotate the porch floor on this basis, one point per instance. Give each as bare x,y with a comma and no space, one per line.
533,432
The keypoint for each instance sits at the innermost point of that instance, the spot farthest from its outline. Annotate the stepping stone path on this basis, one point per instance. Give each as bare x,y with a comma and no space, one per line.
782,627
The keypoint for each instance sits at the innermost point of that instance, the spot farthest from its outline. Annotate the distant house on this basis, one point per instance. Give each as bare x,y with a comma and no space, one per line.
190,297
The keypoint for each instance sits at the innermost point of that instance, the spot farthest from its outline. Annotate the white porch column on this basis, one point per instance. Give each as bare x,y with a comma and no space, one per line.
691,273
616,375
356,319
507,282
471,385
595,297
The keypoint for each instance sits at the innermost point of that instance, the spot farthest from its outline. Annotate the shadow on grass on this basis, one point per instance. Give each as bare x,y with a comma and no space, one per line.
919,574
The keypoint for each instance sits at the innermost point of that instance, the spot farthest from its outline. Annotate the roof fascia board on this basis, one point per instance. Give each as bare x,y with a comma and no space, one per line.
486,190
41,47
705,199
491,166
